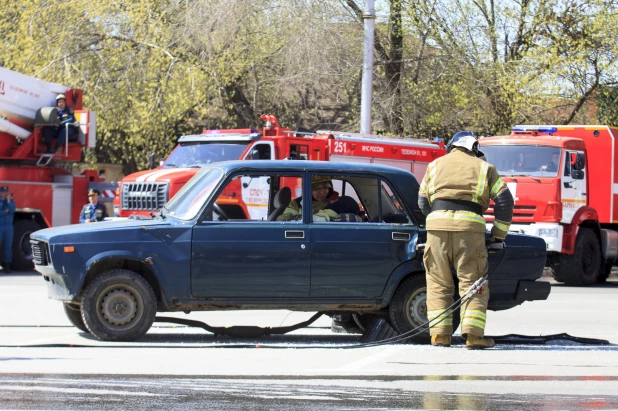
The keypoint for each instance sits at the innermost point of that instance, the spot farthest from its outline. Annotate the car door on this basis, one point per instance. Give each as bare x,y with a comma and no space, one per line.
250,258
355,259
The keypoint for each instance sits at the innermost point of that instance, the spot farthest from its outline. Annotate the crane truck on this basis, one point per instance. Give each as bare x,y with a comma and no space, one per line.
564,182
45,191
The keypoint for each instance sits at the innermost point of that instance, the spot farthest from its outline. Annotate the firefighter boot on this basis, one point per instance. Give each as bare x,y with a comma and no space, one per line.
441,340
6,267
474,342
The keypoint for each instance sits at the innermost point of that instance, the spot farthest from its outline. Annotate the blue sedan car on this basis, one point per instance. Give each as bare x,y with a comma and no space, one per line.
221,244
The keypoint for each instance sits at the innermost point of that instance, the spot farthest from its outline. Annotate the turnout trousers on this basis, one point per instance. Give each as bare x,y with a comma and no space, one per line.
466,252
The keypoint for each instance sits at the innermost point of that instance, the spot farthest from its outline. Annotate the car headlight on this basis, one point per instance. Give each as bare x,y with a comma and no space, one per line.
548,232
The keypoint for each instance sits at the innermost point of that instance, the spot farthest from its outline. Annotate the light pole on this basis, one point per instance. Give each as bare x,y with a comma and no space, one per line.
369,16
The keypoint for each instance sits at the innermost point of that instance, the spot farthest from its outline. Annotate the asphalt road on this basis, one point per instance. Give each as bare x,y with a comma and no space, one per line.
47,364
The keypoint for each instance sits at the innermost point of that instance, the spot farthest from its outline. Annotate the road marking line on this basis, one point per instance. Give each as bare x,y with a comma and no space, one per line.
362,363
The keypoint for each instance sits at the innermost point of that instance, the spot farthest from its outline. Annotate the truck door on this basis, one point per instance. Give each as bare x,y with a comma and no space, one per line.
574,185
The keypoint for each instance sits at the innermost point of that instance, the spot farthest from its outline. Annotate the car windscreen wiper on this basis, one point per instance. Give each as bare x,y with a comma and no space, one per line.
170,165
527,175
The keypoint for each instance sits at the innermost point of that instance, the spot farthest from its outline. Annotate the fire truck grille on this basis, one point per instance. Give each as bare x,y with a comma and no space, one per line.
144,196
39,252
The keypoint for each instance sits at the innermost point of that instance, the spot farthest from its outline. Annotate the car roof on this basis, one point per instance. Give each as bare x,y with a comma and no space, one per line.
333,167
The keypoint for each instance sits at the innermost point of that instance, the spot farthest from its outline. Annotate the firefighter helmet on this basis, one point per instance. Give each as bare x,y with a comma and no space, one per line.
318,182
465,139
61,97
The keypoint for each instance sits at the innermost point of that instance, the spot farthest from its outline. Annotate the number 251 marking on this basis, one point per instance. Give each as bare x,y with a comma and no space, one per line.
340,147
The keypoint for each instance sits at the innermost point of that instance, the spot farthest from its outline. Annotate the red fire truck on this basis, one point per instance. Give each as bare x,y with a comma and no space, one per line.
46,193
145,191
564,184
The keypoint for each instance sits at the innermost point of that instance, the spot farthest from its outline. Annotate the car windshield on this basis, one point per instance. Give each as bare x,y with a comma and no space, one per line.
199,154
189,200
534,161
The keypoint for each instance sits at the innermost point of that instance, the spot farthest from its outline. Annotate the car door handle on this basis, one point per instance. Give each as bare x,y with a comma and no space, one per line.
401,236
294,234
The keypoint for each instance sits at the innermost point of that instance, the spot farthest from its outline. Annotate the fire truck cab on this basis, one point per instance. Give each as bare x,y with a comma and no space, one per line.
146,191
564,183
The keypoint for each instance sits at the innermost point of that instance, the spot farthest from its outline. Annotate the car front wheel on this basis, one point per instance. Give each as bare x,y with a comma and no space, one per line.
408,309
119,305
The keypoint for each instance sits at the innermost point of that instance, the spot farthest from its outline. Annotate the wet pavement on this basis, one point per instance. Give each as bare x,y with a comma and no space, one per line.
47,364
61,392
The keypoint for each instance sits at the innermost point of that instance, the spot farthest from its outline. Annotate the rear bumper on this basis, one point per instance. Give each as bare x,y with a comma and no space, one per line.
530,290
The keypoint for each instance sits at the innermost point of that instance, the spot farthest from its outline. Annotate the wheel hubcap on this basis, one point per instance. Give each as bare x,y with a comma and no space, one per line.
417,307
119,307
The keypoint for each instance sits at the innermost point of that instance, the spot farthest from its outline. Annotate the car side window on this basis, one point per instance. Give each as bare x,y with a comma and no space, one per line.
360,200
258,197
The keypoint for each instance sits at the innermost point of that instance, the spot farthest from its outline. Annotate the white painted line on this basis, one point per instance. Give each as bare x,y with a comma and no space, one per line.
364,362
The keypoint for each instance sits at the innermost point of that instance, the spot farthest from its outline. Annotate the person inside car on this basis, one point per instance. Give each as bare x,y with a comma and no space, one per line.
323,195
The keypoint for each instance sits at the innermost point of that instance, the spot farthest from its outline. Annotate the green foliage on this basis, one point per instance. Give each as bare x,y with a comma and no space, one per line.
156,69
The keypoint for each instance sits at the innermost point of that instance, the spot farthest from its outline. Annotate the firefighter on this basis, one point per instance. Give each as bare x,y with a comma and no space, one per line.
7,212
454,194
66,116
323,195
93,211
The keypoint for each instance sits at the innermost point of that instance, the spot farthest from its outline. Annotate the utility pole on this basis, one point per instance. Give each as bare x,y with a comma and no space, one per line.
369,17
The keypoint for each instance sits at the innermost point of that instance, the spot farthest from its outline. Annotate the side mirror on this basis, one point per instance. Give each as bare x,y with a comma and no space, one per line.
151,161
577,174
580,162
255,154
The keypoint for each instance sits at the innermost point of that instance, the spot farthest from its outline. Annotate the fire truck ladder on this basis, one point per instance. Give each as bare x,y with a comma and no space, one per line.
45,159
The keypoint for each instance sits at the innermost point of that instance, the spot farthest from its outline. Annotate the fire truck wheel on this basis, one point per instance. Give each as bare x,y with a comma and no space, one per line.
582,268
22,250
408,308
119,305
75,317
607,270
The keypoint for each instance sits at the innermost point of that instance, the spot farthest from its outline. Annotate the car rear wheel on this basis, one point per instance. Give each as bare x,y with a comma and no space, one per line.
408,309
74,315
119,305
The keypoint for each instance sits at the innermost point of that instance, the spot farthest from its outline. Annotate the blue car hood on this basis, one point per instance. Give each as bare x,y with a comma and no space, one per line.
79,229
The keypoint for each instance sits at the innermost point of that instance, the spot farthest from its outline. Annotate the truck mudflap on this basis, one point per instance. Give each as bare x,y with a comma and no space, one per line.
530,290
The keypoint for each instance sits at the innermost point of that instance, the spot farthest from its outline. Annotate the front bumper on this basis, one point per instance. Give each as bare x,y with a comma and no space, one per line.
530,290
57,288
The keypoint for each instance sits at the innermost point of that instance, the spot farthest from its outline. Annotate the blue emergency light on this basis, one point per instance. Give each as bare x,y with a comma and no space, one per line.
534,129
437,139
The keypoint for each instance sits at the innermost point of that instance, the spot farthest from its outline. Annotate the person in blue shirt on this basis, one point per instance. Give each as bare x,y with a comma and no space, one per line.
65,115
93,211
7,212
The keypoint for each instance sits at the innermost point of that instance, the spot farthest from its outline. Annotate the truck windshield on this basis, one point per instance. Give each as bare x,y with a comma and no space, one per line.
534,161
189,200
199,154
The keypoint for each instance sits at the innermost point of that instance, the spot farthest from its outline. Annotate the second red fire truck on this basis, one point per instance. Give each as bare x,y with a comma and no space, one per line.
145,191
